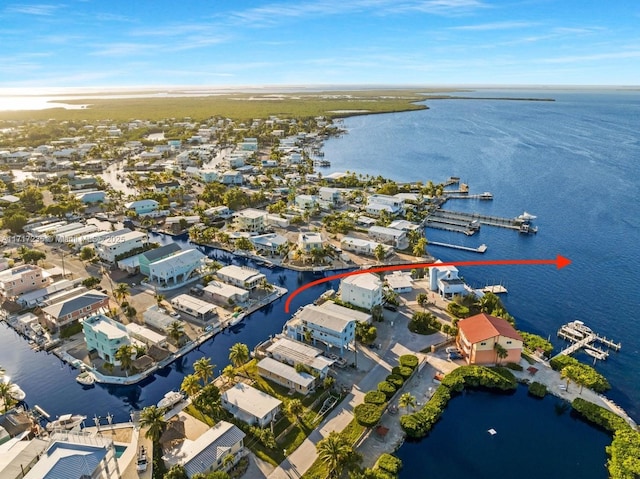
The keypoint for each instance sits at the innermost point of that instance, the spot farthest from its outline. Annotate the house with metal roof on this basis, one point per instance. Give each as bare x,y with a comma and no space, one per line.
194,308
250,405
177,268
240,276
287,376
106,336
361,290
291,352
72,309
156,254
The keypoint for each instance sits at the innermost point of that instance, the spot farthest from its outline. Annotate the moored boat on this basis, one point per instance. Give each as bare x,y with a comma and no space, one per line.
170,399
66,421
86,378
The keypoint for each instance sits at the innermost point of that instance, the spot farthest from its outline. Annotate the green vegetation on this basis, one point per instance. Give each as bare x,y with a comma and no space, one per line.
534,342
395,379
582,374
537,389
599,415
469,305
70,330
424,323
387,389
368,414
389,463
408,361
375,397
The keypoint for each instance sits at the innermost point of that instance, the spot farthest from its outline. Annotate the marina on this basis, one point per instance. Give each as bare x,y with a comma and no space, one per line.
480,249
469,223
584,338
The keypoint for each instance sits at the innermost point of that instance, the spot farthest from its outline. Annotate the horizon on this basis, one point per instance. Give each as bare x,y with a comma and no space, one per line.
365,43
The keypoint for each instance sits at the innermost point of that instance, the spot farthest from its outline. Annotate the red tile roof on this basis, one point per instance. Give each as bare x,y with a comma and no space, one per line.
482,326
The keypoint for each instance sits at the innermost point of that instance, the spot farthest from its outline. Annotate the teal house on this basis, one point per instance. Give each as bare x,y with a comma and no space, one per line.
148,257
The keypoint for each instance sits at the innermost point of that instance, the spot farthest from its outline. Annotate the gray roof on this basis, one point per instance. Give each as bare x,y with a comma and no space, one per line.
161,252
64,461
220,439
70,305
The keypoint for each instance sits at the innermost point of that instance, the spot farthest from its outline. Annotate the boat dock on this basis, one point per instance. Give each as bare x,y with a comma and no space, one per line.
495,289
440,221
462,218
581,337
480,249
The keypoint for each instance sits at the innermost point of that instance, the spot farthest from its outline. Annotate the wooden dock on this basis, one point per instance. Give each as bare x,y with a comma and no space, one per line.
488,220
480,249
495,289
583,337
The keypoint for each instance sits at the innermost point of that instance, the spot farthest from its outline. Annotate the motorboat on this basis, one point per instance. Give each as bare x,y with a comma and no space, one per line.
527,217
86,378
142,463
17,393
170,399
66,421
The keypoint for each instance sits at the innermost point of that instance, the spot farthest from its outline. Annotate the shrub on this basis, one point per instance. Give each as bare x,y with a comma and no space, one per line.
387,389
537,389
409,361
585,374
478,376
367,415
624,455
402,371
396,380
514,366
418,424
375,397
389,463
533,342
599,415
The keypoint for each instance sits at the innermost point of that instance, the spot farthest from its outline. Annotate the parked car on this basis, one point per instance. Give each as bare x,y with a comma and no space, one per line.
390,307
454,356
174,314
453,349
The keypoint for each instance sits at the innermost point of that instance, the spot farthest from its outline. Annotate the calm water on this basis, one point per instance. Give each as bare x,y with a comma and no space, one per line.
533,440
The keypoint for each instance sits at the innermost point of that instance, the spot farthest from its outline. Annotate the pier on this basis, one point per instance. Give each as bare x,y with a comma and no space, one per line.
581,337
460,218
480,249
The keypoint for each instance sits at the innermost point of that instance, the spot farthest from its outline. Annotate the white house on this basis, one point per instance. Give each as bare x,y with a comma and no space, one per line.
399,282
291,352
392,204
287,376
250,405
362,246
310,241
251,220
109,248
330,195
142,207
305,202
362,290
176,269
225,294
231,177
242,277
268,243
194,308
445,280
218,212
393,237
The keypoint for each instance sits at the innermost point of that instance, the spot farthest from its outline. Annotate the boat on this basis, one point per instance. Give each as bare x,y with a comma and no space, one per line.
142,463
486,196
526,228
593,353
170,399
580,326
66,421
17,393
86,378
527,217
573,332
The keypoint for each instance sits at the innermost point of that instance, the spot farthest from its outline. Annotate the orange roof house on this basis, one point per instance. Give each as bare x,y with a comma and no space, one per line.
482,337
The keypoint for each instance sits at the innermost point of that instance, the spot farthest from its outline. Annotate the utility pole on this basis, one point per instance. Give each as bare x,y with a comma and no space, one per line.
64,274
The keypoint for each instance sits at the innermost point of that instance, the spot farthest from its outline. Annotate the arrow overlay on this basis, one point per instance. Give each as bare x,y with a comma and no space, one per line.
559,261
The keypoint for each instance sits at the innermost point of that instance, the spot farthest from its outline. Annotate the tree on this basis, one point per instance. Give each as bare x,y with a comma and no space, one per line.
244,244
177,471
208,401
175,331
14,222
501,352
407,400
190,385
334,451
90,282
31,199
420,247
203,369
229,372
123,355
159,299
32,256
238,354
152,418
121,292
379,252
366,333
295,409
5,394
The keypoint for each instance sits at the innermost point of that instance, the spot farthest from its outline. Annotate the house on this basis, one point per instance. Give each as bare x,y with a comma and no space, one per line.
362,290
91,196
208,452
194,308
157,318
270,243
399,282
225,294
481,337
310,241
146,335
328,323
166,187
110,248
391,204
445,280
250,405
105,336
251,220
241,276
396,238
293,353
330,195
231,177
176,224
362,246
22,279
177,268
305,202
287,376
32,298
156,254
72,309
142,207
218,212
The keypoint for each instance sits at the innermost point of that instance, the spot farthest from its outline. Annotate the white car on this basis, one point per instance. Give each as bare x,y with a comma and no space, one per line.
453,349
174,314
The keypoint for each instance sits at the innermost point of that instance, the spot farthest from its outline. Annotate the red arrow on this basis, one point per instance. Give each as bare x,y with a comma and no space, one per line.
559,261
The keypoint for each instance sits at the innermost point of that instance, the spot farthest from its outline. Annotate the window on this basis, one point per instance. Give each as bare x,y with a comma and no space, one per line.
508,342
484,343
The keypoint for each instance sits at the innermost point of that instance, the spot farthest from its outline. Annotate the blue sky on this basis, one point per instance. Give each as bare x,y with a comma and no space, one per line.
405,42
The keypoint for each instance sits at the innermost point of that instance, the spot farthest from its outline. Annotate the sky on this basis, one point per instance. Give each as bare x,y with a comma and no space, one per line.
144,43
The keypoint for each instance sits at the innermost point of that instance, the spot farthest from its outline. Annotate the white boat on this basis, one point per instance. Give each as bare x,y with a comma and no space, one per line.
142,463
593,353
527,217
66,421
86,378
17,393
170,399
580,326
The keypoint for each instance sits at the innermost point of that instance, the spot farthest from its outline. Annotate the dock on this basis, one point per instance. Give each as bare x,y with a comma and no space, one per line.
495,289
582,337
480,249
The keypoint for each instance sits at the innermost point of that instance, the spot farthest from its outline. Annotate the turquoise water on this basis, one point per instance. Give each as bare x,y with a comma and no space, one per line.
119,450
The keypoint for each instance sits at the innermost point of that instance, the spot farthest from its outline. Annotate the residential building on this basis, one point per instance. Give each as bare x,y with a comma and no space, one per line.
231,177
225,294
146,335
270,243
481,337
241,276
91,196
209,451
22,279
177,268
310,241
445,280
166,187
362,290
110,248
330,195
194,308
105,336
176,224
156,254
250,405
396,238
287,376
70,310
305,202
391,204
251,220
142,207
157,318
218,212
32,298
362,246
291,352
399,282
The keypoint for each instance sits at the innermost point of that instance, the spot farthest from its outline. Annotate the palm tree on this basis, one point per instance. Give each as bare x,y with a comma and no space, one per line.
501,352
159,299
295,409
121,292
229,372
238,354
420,247
123,354
5,394
175,331
152,418
203,369
406,400
333,450
379,252
190,385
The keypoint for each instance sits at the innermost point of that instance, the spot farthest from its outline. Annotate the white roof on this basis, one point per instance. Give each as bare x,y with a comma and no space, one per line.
224,289
140,330
187,257
329,316
104,326
399,280
251,400
123,238
195,304
298,352
251,213
310,237
286,372
238,273
366,281
386,231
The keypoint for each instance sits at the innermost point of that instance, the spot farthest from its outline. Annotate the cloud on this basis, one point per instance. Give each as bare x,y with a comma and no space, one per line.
33,9
594,57
123,49
509,25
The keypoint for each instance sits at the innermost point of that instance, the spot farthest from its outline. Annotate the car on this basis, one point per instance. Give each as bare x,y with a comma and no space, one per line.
453,349
390,307
454,356
174,314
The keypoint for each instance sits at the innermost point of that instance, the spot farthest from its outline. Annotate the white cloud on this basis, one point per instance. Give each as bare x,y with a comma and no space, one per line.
33,9
508,25
123,49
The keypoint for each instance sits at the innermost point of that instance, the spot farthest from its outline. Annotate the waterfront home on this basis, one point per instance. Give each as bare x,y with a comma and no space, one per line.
445,281
250,405
287,376
305,202
399,282
362,290
110,248
403,225
363,247
166,187
156,254
241,276
293,353
82,182
208,452
176,224
33,298
390,236
309,241
194,309
69,236
157,318
206,175
481,336
224,294
391,204
72,309
327,323
177,268
251,220
105,336
142,207
22,279
76,454
277,221
269,243
146,335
